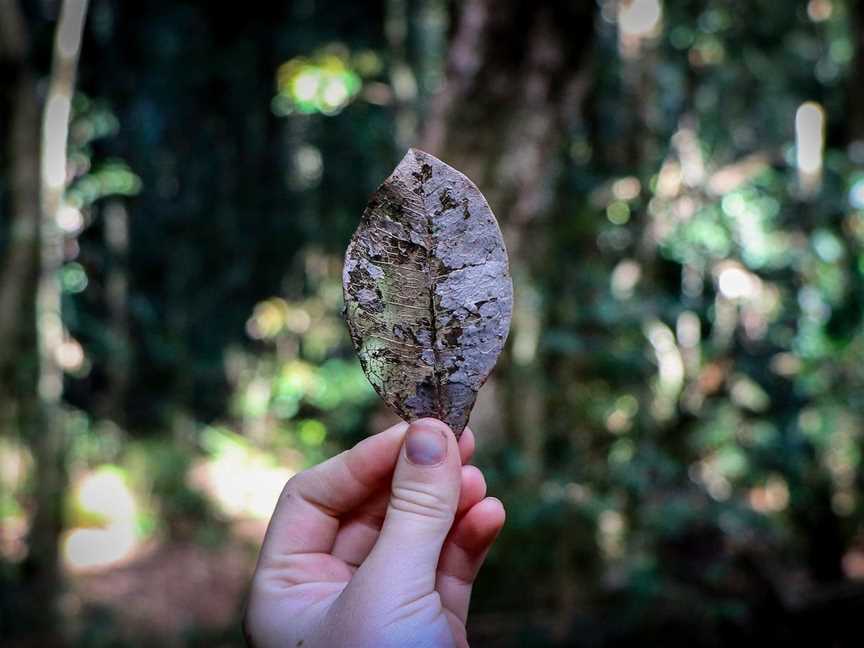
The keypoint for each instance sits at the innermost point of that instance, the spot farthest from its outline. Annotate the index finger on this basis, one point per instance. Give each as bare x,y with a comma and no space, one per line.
306,518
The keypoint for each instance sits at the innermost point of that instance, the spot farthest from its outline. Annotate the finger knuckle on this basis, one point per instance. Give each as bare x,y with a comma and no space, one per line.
290,489
421,500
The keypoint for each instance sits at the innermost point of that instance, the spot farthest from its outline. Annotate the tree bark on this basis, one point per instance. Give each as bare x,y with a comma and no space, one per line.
402,77
19,262
856,87
41,416
516,75
116,228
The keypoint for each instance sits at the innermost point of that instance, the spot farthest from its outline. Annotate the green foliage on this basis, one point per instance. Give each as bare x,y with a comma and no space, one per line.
325,84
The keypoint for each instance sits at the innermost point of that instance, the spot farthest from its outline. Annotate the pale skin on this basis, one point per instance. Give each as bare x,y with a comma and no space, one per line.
378,546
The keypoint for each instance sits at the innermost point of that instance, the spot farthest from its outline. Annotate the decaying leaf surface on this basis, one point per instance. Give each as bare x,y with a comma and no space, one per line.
428,294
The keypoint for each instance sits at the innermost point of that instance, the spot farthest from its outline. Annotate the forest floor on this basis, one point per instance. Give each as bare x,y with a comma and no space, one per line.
168,593
176,593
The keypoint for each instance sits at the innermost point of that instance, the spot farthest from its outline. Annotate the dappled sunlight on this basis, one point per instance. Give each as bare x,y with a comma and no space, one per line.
620,418
273,316
772,497
856,194
526,324
670,368
103,500
610,534
820,10
16,463
70,219
325,82
639,17
240,480
98,548
637,20
103,492
809,144
625,277
70,356
736,283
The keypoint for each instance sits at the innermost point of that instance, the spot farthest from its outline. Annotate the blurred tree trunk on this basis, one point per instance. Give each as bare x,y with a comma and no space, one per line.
116,233
828,536
856,78
402,78
19,264
516,75
32,335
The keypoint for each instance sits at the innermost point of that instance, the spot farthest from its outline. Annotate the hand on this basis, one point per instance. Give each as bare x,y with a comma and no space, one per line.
350,559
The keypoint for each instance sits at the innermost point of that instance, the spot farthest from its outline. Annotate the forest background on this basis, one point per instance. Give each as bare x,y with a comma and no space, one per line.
675,427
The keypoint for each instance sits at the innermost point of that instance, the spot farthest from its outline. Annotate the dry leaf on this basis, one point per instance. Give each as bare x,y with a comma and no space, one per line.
428,295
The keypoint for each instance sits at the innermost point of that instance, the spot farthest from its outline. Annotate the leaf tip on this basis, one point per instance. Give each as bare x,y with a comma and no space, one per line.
420,156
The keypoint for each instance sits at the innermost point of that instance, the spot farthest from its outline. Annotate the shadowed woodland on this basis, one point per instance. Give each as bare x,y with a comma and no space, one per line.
676,425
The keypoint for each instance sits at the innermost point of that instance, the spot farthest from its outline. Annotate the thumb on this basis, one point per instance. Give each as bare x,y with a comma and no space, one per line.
423,501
